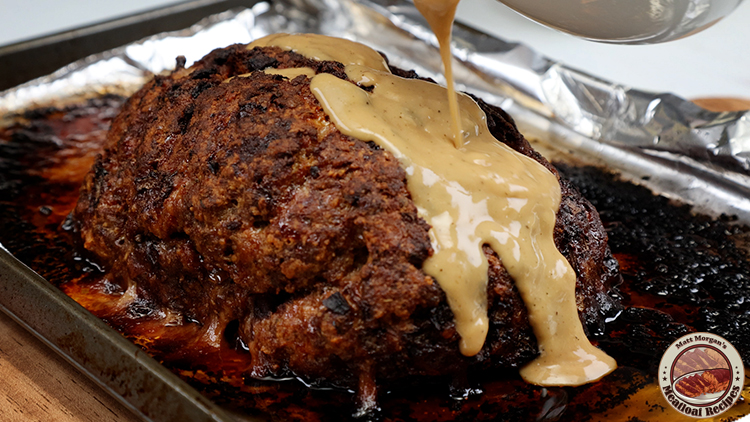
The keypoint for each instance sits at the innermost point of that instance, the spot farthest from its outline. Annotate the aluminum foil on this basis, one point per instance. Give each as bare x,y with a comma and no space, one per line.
662,141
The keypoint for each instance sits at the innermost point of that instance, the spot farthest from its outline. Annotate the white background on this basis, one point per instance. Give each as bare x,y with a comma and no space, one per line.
713,63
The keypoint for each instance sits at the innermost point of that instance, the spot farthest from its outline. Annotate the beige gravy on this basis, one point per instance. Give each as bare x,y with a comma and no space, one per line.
439,15
481,192
291,73
321,47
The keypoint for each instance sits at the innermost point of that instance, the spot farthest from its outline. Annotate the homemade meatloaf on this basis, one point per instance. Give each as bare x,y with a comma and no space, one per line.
227,197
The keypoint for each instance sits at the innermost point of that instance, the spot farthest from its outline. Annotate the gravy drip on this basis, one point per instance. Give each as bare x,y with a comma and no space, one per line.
482,192
291,73
439,15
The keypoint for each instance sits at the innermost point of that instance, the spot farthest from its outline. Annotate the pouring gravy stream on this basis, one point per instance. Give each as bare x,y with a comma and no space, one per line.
440,15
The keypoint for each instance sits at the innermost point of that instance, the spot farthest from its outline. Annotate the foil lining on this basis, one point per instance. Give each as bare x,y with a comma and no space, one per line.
662,141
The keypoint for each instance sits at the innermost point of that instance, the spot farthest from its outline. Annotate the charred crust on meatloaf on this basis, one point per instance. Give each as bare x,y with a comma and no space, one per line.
237,200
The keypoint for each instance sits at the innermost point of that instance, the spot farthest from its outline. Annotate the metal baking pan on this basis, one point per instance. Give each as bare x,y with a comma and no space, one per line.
155,393
113,362
118,366
24,61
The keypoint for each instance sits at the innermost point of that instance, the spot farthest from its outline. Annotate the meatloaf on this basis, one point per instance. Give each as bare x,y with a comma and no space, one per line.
227,197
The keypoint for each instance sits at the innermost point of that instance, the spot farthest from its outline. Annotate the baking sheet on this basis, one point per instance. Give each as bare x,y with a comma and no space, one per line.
693,155
26,60
100,352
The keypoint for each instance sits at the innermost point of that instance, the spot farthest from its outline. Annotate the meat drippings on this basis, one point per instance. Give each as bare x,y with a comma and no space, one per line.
482,192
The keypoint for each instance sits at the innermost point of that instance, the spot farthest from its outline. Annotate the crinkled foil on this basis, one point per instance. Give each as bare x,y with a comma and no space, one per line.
662,141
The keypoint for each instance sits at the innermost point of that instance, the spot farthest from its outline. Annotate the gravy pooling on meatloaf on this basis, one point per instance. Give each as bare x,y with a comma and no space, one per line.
234,199
479,192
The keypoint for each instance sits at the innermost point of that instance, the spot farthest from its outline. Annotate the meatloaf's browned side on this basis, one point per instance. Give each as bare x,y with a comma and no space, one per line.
236,199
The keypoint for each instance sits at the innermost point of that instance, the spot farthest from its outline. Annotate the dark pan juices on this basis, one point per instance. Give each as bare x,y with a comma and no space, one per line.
682,273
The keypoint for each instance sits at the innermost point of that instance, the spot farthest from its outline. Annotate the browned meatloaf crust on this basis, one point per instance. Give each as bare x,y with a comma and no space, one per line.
237,200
